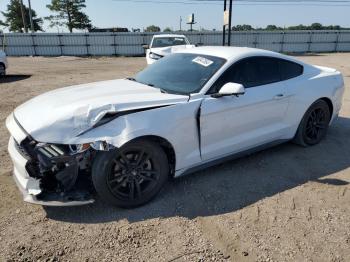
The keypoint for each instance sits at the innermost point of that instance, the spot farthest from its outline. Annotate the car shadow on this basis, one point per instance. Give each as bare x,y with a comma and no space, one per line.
13,78
233,185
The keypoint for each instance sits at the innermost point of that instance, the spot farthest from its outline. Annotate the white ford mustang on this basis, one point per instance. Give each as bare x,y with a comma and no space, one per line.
124,138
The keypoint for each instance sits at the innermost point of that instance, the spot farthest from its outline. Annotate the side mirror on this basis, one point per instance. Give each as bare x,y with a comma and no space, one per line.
145,46
230,89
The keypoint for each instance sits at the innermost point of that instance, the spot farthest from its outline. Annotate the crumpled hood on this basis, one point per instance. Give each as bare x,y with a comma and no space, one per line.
59,115
164,51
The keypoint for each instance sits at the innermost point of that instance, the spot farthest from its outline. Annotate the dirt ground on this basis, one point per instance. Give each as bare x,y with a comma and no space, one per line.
283,204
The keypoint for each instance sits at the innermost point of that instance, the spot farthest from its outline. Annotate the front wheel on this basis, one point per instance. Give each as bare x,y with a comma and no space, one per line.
314,125
131,175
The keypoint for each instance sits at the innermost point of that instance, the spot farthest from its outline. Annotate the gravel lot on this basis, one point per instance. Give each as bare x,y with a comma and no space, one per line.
283,204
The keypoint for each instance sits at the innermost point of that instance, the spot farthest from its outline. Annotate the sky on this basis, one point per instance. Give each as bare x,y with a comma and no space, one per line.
116,13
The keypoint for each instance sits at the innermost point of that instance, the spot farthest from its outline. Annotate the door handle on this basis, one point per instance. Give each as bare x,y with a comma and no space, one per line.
278,96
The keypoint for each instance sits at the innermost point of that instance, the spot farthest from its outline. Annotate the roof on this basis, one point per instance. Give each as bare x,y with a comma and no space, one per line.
168,35
228,52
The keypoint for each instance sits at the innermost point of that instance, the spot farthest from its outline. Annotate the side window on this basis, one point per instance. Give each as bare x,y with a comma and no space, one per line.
226,77
246,73
250,72
266,70
289,69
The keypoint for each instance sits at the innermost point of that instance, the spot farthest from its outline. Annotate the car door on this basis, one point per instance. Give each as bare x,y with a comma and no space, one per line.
232,124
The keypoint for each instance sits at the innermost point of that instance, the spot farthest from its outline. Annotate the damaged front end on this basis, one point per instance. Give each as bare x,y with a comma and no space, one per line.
59,174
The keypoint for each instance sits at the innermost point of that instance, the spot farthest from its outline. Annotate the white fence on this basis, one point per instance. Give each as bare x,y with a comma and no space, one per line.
130,44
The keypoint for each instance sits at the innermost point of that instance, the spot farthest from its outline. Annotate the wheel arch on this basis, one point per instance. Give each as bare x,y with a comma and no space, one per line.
2,64
329,103
165,145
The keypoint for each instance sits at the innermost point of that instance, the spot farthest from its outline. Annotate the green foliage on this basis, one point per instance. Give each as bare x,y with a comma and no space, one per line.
242,28
152,28
273,27
314,26
3,23
69,14
167,29
13,17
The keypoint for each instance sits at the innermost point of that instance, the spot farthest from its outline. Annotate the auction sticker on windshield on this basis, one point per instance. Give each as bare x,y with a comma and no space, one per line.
202,61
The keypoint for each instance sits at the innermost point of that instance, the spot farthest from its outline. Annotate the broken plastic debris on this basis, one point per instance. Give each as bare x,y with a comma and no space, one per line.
100,145
33,187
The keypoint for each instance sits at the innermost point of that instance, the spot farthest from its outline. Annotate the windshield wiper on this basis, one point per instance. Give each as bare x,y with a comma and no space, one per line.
163,91
131,79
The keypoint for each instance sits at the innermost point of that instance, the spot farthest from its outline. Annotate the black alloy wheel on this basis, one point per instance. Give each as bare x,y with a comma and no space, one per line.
2,70
314,125
132,175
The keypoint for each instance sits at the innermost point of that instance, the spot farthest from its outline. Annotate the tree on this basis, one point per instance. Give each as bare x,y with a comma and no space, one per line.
242,28
298,27
13,17
316,26
273,27
2,23
167,29
152,28
333,27
68,14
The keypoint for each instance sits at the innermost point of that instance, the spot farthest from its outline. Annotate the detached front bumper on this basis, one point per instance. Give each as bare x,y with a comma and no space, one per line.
29,186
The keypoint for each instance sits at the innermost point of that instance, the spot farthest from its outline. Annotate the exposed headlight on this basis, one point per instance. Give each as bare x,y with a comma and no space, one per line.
76,149
155,56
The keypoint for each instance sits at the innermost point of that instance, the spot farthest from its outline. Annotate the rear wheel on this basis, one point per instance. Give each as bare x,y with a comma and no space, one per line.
314,125
2,70
132,175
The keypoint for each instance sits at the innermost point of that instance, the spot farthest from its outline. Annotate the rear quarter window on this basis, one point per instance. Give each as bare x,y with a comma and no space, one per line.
289,69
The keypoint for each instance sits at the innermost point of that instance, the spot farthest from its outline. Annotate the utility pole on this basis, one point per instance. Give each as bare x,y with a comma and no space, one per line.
180,23
224,27
23,16
31,17
230,24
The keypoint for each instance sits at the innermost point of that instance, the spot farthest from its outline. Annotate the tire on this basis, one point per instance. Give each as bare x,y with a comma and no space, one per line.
131,175
314,125
2,70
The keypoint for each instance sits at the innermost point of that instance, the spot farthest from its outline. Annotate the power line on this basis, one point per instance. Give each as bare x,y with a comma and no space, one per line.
313,1
249,2
277,1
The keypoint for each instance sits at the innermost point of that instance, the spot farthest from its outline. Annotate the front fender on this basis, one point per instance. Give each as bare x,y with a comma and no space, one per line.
175,123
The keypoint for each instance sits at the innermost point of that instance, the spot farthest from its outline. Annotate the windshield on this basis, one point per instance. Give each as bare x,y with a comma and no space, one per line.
168,41
180,73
